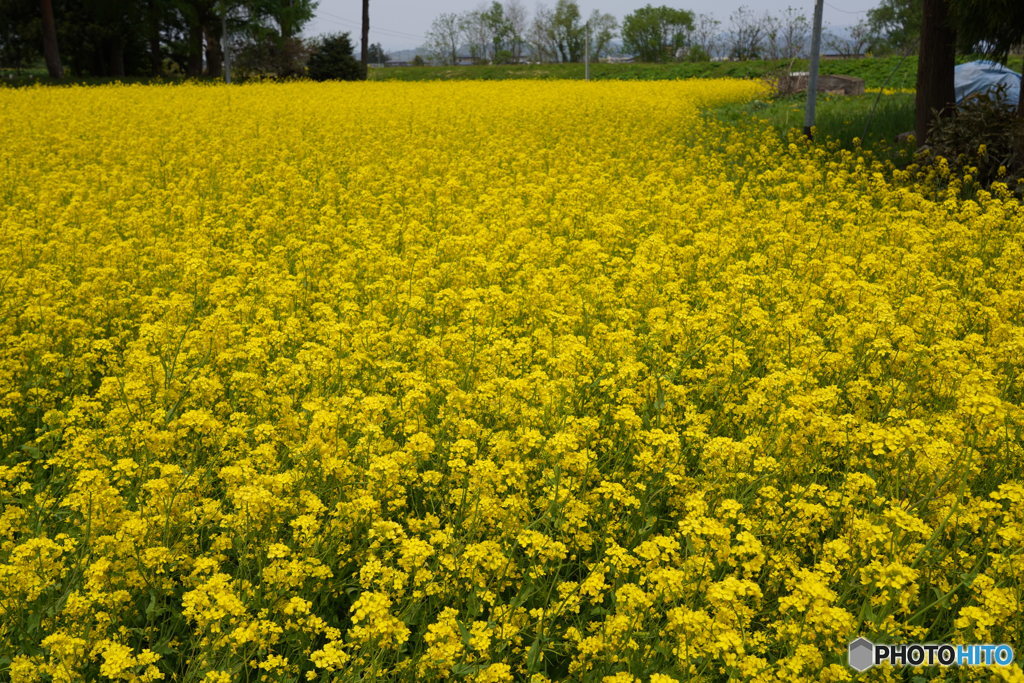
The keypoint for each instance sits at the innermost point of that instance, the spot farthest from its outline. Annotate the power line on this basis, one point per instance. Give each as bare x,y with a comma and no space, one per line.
846,11
390,33
374,31
350,22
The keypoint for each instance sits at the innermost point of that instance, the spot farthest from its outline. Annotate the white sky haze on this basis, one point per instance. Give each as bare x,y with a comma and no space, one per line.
401,24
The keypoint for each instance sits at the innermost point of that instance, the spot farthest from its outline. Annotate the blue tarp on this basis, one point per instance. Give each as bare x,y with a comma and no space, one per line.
980,76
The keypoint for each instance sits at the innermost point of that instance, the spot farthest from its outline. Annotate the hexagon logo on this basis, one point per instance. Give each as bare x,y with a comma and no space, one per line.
862,654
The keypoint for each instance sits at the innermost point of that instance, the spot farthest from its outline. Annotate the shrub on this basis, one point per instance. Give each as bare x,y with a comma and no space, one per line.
696,54
332,59
982,141
266,57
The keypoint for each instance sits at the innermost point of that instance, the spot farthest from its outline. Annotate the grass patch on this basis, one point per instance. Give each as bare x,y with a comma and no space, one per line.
891,72
870,121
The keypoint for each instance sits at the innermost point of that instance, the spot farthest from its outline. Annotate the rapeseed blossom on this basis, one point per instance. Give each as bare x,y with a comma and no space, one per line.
497,381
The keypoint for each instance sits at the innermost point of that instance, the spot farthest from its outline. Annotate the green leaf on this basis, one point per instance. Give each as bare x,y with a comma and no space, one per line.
534,655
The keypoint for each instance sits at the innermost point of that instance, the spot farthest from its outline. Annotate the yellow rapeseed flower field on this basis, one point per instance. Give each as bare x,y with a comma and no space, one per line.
495,381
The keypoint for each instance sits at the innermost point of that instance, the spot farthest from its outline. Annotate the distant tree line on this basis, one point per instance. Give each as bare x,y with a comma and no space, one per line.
502,32
116,38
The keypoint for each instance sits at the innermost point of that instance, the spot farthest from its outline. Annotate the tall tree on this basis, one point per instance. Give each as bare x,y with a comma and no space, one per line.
898,23
115,21
134,37
213,32
542,35
794,30
274,27
156,15
515,13
567,30
20,34
602,31
772,36
51,52
856,41
477,34
935,62
498,31
197,14
655,33
705,35
748,34
289,15
443,38
377,54
103,37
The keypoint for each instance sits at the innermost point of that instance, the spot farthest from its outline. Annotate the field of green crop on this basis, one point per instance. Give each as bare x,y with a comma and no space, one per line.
891,72
896,72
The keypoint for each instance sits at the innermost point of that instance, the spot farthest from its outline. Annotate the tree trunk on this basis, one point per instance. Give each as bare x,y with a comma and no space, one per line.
115,58
195,50
50,49
214,51
365,48
156,66
1020,100
935,62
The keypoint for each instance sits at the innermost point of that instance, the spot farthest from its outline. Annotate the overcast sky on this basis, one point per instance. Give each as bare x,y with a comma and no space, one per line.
401,24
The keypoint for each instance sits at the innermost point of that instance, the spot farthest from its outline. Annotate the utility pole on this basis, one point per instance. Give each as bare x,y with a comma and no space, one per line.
812,78
365,51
